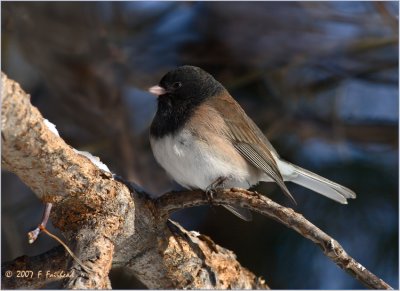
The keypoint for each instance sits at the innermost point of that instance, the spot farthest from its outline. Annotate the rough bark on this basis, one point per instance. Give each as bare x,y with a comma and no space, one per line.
40,267
171,202
105,223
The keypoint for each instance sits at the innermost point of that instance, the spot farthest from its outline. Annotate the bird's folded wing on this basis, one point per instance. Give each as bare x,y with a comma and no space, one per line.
248,140
261,159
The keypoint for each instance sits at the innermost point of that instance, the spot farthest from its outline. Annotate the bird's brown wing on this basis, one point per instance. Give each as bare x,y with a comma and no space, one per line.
248,139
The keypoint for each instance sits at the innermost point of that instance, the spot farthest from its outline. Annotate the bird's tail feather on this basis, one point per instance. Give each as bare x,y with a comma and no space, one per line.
321,185
242,213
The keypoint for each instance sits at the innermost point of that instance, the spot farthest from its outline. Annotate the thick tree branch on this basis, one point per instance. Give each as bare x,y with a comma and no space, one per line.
105,223
173,201
41,268
83,193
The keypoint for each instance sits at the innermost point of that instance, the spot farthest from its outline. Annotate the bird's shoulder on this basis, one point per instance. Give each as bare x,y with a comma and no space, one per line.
226,105
206,119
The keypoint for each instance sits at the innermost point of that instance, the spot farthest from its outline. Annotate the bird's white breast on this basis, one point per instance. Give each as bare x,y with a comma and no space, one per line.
193,163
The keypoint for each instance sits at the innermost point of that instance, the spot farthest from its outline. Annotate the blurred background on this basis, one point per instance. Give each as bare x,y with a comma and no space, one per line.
319,78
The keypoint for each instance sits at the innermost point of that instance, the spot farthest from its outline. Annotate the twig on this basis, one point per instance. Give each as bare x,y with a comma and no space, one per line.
174,201
71,253
34,234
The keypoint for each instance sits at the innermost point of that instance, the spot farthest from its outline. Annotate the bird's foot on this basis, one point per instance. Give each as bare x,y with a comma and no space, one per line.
213,187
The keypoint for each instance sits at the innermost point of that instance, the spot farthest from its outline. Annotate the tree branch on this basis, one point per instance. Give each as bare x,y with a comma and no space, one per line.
40,267
106,224
174,201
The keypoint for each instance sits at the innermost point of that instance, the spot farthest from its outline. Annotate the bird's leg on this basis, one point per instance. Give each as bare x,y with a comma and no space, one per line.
213,187
33,235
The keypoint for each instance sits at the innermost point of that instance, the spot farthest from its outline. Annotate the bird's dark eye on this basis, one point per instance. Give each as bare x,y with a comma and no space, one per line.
176,85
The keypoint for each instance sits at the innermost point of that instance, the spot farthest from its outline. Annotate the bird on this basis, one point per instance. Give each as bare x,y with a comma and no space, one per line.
204,140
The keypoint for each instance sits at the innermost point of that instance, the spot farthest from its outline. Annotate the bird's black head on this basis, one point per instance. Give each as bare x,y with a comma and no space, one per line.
187,83
179,92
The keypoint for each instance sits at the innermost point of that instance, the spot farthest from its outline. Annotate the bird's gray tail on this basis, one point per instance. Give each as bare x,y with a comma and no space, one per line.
321,185
242,213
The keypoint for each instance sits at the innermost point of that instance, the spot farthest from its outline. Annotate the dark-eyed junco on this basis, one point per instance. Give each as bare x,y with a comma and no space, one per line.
203,138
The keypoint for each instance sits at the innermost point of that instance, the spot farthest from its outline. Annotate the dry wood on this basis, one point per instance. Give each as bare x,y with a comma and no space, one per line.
173,201
104,223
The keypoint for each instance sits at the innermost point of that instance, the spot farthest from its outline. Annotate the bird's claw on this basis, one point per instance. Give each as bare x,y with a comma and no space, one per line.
210,194
211,190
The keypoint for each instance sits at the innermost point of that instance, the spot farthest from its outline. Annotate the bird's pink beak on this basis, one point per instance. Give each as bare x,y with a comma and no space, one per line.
157,90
